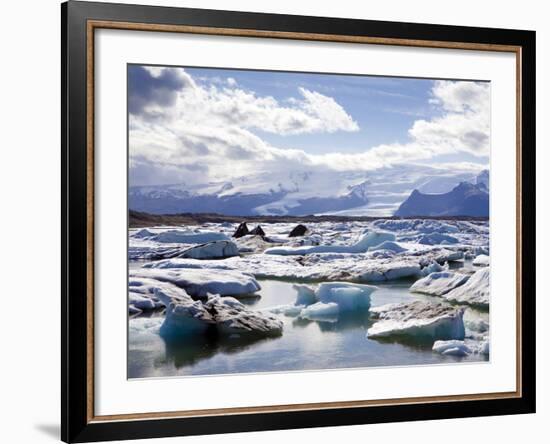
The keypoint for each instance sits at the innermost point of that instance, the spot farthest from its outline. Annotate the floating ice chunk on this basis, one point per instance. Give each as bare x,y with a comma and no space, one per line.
232,318
434,267
372,239
368,240
252,244
386,271
188,237
439,283
224,316
348,297
320,311
183,316
143,233
419,319
199,282
452,348
415,225
306,295
212,250
289,310
189,263
141,292
474,292
388,245
449,256
437,238
140,301
481,260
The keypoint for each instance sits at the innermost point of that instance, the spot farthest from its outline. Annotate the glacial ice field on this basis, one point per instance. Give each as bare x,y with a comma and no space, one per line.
222,298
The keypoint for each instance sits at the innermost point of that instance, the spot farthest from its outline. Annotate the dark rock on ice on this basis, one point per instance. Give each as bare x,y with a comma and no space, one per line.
298,230
242,230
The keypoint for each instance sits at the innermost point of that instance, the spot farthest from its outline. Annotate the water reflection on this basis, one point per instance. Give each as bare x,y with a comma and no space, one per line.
185,353
306,344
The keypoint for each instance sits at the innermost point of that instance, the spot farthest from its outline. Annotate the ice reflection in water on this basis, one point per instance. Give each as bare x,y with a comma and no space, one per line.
304,345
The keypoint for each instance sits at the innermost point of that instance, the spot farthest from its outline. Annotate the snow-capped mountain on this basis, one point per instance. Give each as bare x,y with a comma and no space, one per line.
299,192
288,193
466,199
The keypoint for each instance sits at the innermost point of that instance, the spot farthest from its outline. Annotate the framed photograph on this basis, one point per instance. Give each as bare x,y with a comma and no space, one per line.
275,221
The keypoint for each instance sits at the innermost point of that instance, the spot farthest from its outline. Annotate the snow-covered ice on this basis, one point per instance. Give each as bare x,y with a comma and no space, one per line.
212,250
224,316
198,282
188,237
418,319
474,292
452,348
481,260
368,240
439,283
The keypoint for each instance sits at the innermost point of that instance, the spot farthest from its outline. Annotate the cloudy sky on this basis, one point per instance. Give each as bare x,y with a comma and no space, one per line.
191,125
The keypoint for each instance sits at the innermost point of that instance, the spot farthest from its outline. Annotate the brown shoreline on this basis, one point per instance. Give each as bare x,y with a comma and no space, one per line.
138,219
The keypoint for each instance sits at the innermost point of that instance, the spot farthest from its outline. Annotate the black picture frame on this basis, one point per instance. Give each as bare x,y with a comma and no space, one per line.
77,425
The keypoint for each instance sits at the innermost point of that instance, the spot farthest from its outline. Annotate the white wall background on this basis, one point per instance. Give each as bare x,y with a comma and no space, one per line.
30,208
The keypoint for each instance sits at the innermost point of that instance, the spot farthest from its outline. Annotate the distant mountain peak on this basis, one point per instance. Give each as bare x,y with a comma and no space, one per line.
466,199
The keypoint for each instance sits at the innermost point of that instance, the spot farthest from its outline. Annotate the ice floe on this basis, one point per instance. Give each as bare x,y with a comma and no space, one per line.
348,297
198,282
452,348
365,242
320,311
461,348
224,316
213,250
188,237
439,283
475,291
481,260
418,319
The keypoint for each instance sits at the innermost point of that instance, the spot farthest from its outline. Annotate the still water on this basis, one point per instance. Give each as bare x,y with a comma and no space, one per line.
304,345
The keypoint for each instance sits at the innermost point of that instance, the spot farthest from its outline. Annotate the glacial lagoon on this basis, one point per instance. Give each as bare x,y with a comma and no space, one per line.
332,340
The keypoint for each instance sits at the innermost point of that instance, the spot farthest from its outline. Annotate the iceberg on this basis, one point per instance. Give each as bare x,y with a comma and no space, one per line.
474,292
289,310
378,271
188,237
348,297
223,316
439,283
198,282
452,348
389,245
142,296
183,316
461,348
481,260
434,267
234,318
306,295
212,250
143,234
368,240
320,311
436,239
419,319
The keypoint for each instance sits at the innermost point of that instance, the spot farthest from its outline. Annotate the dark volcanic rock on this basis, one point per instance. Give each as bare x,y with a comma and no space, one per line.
242,230
257,231
298,230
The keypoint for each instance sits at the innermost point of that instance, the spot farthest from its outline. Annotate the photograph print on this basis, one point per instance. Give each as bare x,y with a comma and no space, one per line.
291,221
